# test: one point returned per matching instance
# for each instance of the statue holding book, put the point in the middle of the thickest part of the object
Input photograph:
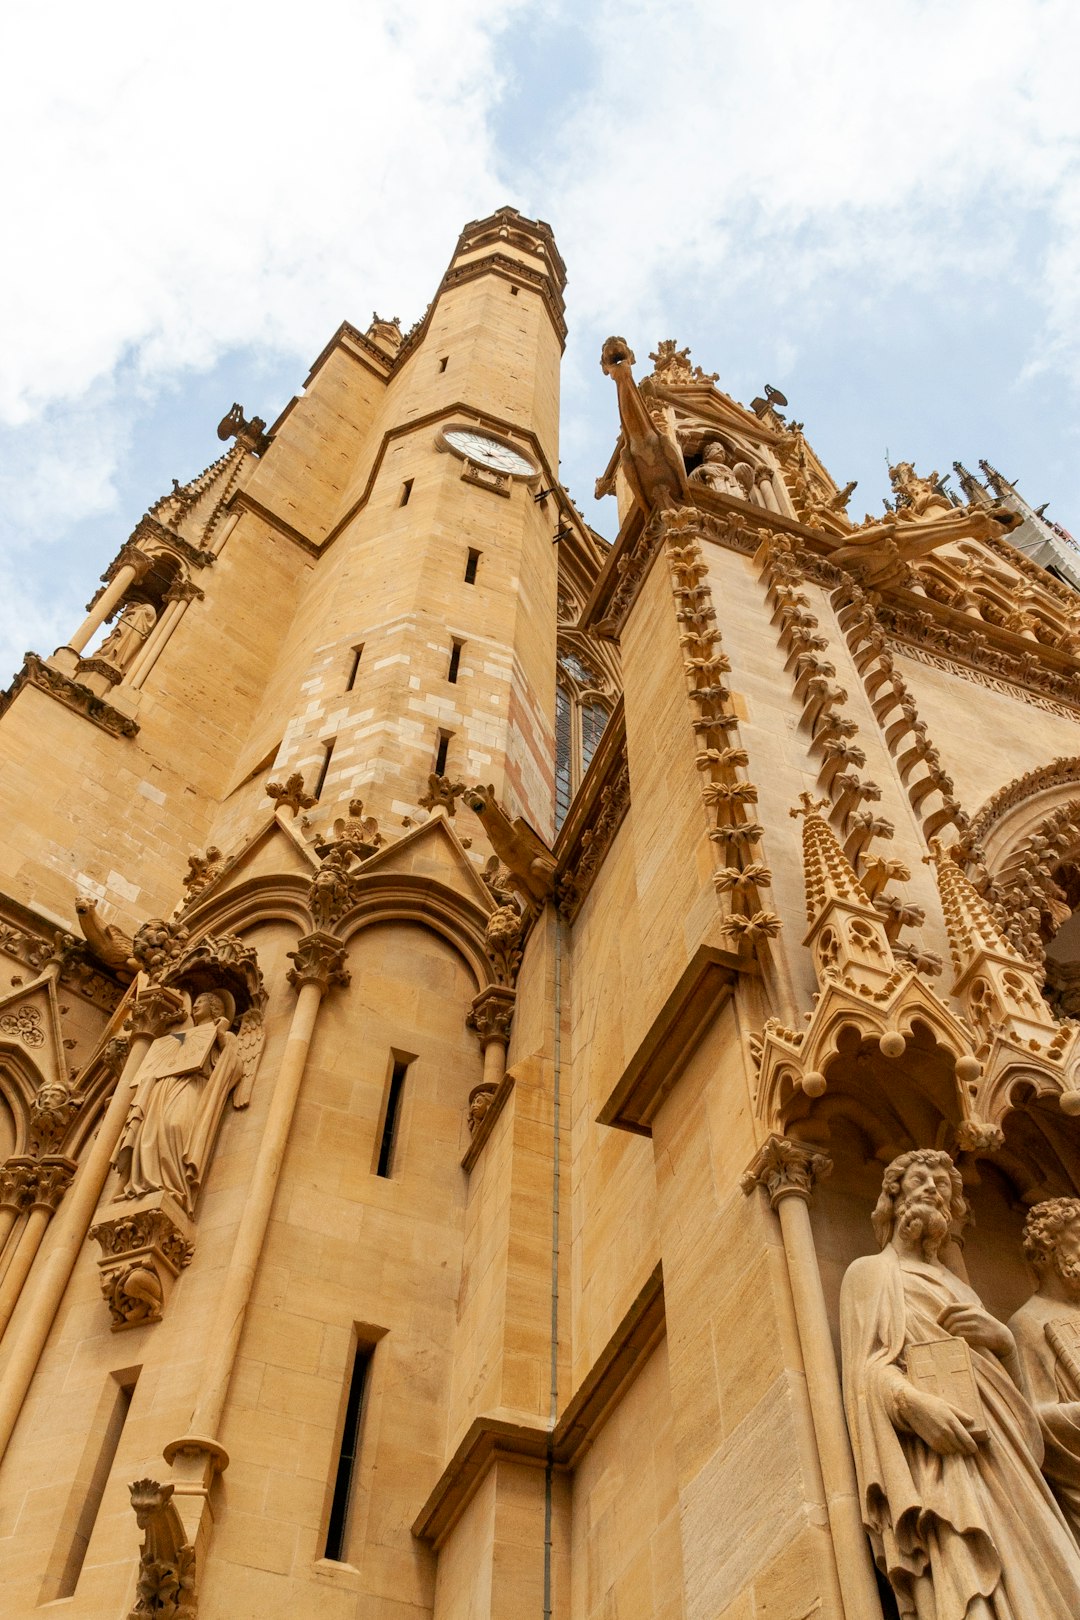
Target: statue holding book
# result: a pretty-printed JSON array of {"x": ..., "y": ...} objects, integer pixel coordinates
[
  {"x": 1047, "y": 1334},
  {"x": 948, "y": 1450}
]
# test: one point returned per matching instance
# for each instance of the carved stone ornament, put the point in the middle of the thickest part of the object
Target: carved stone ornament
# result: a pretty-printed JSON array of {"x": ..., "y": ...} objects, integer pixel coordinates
[
  {"x": 203, "y": 870},
  {"x": 28, "y": 1183},
  {"x": 126, "y": 638},
  {"x": 491, "y": 1014},
  {"x": 672, "y": 368},
  {"x": 24, "y": 1024},
  {"x": 249, "y": 435},
  {"x": 596, "y": 839},
  {"x": 442, "y": 791},
  {"x": 142, "y": 1252},
  {"x": 331, "y": 891},
  {"x": 51, "y": 1112},
  {"x": 72, "y": 694},
  {"x": 786, "y": 1169},
  {"x": 166, "y": 1585},
  {"x": 291, "y": 794},
  {"x": 355, "y": 833},
  {"x": 479, "y": 1102},
  {"x": 155, "y": 1010},
  {"x": 947, "y": 1447},
  {"x": 529, "y": 863},
  {"x": 318, "y": 959},
  {"x": 502, "y": 941}
]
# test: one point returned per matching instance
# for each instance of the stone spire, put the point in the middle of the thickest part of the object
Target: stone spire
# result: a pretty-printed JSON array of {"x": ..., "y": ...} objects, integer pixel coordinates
[
  {"x": 847, "y": 934},
  {"x": 998, "y": 987}
]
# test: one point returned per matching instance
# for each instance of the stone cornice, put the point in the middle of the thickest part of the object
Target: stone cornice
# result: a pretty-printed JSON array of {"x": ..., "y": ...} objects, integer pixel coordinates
[
  {"x": 79, "y": 699},
  {"x": 491, "y": 1439},
  {"x": 677, "y": 1030}
]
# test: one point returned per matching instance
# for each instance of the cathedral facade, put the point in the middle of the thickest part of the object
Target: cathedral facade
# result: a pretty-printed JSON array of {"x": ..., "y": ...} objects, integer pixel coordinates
[{"x": 540, "y": 1077}]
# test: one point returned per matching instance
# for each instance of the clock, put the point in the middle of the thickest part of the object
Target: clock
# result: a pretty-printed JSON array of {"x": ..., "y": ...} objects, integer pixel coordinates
[{"x": 488, "y": 452}]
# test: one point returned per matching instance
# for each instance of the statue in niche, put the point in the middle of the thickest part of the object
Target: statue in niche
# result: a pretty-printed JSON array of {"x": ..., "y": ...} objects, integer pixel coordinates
[
  {"x": 947, "y": 1448},
  {"x": 719, "y": 473},
  {"x": 1047, "y": 1334},
  {"x": 127, "y": 635},
  {"x": 178, "y": 1095}
]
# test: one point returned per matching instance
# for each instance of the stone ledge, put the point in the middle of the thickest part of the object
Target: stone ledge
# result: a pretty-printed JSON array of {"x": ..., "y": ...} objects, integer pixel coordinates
[
  {"x": 704, "y": 986},
  {"x": 79, "y": 699}
]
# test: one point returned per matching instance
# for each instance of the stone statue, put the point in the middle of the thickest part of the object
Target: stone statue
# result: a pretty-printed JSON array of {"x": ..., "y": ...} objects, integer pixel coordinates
[
  {"x": 178, "y": 1094},
  {"x": 726, "y": 477},
  {"x": 947, "y": 1449},
  {"x": 1047, "y": 1334},
  {"x": 127, "y": 635}
]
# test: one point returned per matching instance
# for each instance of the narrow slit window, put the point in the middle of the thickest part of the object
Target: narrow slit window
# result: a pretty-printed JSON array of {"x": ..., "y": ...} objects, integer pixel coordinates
[
  {"x": 347, "y": 1456},
  {"x": 440, "y": 753},
  {"x": 84, "y": 1502},
  {"x": 443, "y": 362},
  {"x": 406, "y": 491},
  {"x": 354, "y": 667},
  {"x": 391, "y": 1116},
  {"x": 455, "y": 661},
  {"x": 324, "y": 768},
  {"x": 470, "y": 567}
]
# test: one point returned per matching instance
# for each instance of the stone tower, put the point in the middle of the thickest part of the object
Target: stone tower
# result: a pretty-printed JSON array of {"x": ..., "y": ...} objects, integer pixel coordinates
[{"x": 461, "y": 984}]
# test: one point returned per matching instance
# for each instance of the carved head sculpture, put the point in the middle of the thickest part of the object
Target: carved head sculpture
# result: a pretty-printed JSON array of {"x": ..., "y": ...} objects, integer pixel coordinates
[
  {"x": 480, "y": 798},
  {"x": 147, "y": 1498},
  {"x": 212, "y": 1005},
  {"x": 922, "y": 1195},
  {"x": 616, "y": 356},
  {"x": 1052, "y": 1240}
]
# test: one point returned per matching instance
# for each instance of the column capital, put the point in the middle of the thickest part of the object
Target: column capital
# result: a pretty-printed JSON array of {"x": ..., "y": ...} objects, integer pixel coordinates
[
  {"x": 155, "y": 1010},
  {"x": 786, "y": 1169},
  {"x": 129, "y": 556},
  {"x": 491, "y": 1014},
  {"x": 318, "y": 959},
  {"x": 27, "y": 1183}
]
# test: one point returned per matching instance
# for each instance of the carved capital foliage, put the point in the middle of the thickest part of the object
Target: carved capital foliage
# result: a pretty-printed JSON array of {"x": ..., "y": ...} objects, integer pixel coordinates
[
  {"x": 503, "y": 940},
  {"x": 977, "y": 1136},
  {"x": 142, "y": 1251},
  {"x": 166, "y": 1584},
  {"x": 129, "y": 556},
  {"x": 318, "y": 959},
  {"x": 27, "y": 1183},
  {"x": 785, "y": 1169},
  {"x": 492, "y": 1014},
  {"x": 155, "y": 1010}
]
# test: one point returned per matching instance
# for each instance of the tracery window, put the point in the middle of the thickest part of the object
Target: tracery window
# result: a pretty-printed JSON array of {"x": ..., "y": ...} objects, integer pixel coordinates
[{"x": 582, "y": 710}]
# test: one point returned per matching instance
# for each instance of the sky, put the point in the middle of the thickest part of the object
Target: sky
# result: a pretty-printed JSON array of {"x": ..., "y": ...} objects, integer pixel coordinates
[{"x": 875, "y": 208}]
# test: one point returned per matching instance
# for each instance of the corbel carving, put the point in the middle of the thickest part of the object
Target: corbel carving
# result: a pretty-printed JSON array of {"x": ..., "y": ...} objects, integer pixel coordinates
[
  {"x": 142, "y": 1252},
  {"x": 74, "y": 696},
  {"x": 51, "y": 1112},
  {"x": 331, "y": 891},
  {"x": 166, "y": 1583}
]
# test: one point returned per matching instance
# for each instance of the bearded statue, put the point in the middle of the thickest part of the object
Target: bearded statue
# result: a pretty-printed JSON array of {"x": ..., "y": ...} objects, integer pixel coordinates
[
  {"x": 1047, "y": 1334},
  {"x": 948, "y": 1450}
]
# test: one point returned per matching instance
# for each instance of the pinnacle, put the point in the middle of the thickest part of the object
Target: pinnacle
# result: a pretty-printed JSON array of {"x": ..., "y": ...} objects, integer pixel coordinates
[
  {"x": 971, "y": 925},
  {"x": 827, "y": 871}
]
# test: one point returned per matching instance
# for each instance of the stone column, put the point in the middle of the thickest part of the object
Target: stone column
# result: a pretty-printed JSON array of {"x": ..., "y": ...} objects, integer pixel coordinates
[
  {"x": 43, "y": 1184},
  {"x": 12, "y": 1205},
  {"x": 177, "y": 597},
  {"x": 491, "y": 1016},
  {"x": 787, "y": 1171},
  {"x": 154, "y": 1011},
  {"x": 318, "y": 963},
  {"x": 133, "y": 565}
]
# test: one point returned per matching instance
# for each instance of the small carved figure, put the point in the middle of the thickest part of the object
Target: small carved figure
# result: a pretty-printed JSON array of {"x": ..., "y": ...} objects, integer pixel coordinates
[
  {"x": 1047, "y": 1334},
  {"x": 156, "y": 944},
  {"x": 916, "y": 495},
  {"x": 127, "y": 635},
  {"x": 178, "y": 1095},
  {"x": 479, "y": 1103},
  {"x": 202, "y": 870},
  {"x": 357, "y": 832},
  {"x": 947, "y": 1447},
  {"x": 166, "y": 1585},
  {"x": 248, "y": 435},
  {"x": 51, "y": 1112},
  {"x": 330, "y": 891},
  {"x": 716, "y": 472}
]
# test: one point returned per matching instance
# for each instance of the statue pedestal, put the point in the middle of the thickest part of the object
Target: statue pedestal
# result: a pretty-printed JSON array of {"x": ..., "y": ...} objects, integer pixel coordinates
[
  {"x": 66, "y": 660},
  {"x": 145, "y": 1245}
]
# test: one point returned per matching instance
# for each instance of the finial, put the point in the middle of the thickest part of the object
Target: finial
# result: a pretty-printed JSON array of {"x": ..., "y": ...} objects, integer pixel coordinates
[{"x": 808, "y": 806}]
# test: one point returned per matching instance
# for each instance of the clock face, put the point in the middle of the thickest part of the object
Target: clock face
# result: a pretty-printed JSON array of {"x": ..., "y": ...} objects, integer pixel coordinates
[{"x": 489, "y": 452}]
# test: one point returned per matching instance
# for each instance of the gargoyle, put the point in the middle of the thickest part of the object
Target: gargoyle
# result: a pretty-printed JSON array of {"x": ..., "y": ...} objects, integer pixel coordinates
[
  {"x": 166, "y": 1584},
  {"x": 529, "y": 863},
  {"x": 654, "y": 467},
  {"x": 108, "y": 943},
  {"x": 879, "y": 553}
]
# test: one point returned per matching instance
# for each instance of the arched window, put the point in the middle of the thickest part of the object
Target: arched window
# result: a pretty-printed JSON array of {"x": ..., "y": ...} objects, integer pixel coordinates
[{"x": 581, "y": 713}]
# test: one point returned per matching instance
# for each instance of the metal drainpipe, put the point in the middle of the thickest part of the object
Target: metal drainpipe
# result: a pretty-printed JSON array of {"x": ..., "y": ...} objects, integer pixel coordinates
[{"x": 555, "y": 1175}]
